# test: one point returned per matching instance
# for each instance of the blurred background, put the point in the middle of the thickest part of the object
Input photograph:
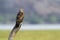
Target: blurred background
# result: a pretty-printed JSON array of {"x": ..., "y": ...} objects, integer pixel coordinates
[
  {"x": 36, "y": 11},
  {"x": 38, "y": 15}
]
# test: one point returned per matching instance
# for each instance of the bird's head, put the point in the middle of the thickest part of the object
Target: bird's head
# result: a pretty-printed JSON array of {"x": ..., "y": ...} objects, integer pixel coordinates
[{"x": 21, "y": 10}]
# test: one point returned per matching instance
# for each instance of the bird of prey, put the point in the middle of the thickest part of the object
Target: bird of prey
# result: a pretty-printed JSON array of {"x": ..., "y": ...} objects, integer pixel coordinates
[{"x": 19, "y": 20}]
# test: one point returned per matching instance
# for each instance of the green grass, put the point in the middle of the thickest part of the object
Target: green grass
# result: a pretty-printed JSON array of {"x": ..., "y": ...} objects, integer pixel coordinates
[{"x": 32, "y": 35}]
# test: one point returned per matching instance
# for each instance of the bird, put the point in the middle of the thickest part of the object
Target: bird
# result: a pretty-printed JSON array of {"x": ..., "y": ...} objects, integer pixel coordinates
[{"x": 19, "y": 20}]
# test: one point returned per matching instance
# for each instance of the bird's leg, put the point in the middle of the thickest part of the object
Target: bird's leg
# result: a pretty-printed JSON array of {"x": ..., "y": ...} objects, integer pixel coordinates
[{"x": 13, "y": 32}]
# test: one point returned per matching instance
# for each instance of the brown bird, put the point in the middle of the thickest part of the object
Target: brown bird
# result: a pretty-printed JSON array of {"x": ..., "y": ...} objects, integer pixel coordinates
[{"x": 19, "y": 20}]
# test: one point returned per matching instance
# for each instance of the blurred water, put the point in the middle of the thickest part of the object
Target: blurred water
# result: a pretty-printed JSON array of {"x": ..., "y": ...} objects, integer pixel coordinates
[{"x": 32, "y": 27}]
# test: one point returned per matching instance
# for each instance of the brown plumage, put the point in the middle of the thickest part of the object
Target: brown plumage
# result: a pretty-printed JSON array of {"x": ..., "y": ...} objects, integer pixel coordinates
[
  {"x": 20, "y": 17},
  {"x": 19, "y": 20}
]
